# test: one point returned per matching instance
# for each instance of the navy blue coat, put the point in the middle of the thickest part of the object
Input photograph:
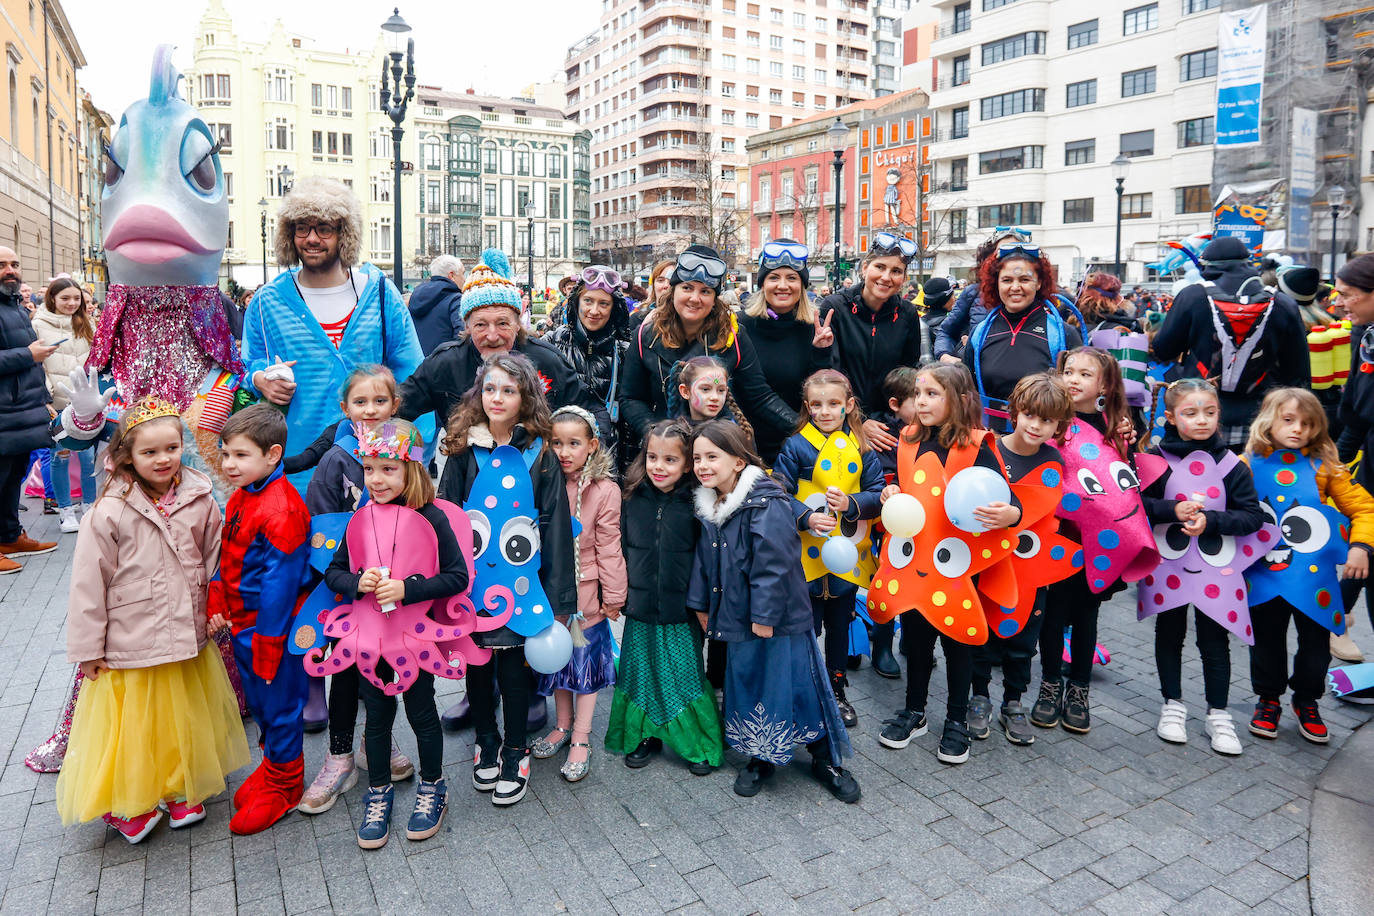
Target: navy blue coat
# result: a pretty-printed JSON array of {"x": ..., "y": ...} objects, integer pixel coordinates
[
  {"x": 434, "y": 310},
  {"x": 967, "y": 314},
  {"x": 23, "y": 389},
  {"x": 748, "y": 564}
]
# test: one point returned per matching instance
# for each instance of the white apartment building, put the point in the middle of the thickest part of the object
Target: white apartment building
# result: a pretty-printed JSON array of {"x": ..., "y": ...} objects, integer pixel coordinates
[
  {"x": 1034, "y": 100},
  {"x": 670, "y": 90}
]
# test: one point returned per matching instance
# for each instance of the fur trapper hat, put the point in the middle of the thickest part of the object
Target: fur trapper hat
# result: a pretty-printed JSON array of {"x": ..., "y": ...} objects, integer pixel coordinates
[{"x": 319, "y": 199}]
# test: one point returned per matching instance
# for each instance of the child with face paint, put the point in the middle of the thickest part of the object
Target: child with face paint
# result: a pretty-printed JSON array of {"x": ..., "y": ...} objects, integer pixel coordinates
[
  {"x": 835, "y": 481},
  {"x": 703, "y": 386}
]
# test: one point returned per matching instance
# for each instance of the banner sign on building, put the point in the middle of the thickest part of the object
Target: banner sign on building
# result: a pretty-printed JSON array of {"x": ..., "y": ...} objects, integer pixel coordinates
[
  {"x": 1242, "y": 220},
  {"x": 1240, "y": 75},
  {"x": 1303, "y": 180}
]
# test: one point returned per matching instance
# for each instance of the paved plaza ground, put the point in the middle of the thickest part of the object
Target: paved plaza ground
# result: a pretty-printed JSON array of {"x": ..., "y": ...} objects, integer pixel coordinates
[{"x": 1115, "y": 821}]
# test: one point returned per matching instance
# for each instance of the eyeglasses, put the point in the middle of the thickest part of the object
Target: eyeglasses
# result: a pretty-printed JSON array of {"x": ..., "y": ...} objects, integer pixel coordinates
[
  {"x": 888, "y": 242},
  {"x": 1030, "y": 251},
  {"x": 783, "y": 254},
  {"x": 323, "y": 230},
  {"x": 1016, "y": 232},
  {"x": 699, "y": 267}
]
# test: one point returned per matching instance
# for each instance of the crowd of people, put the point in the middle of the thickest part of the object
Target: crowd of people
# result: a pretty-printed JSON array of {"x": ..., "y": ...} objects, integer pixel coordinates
[{"x": 760, "y": 495}]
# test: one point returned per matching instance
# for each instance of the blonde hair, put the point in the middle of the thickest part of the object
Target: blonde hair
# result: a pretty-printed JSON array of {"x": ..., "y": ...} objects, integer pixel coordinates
[
  {"x": 1310, "y": 409},
  {"x": 855, "y": 417},
  {"x": 757, "y": 307}
]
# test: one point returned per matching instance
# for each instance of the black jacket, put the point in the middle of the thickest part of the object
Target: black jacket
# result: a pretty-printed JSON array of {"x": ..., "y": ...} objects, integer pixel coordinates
[
  {"x": 1357, "y": 407},
  {"x": 434, "y": 310},
  {"x": 787, "y": 358},
  {"x": 1243, "y": 514},
  {"x": 658, "y": 534},
  {"x": 649, "y": 363},
  {"x": 23, "y": 390},
  {"x": 452, "y": 578},
  {"x": 871, "y": 344},
  {"x": 968, "y": 312},
  {"x": 1280, "y": 360},
  {"x": 593, "y": 356},
  {"x": 1005, "y": 358}
]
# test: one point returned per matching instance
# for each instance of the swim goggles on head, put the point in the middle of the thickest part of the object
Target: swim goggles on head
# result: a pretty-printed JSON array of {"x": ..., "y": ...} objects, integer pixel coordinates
[
  {"x": 701, "y": 268},
  {"x": 601, "y": 277},
  {"x": 1016, "y": 232},
  {"x": 890, "y": 242},
  {"x": 783, "y": 254},
  {"x": 1009, "y": 249}
]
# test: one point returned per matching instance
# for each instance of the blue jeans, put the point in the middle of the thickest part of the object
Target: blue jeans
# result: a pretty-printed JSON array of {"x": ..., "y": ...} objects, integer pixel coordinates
[{"x": 61, "y": 479}]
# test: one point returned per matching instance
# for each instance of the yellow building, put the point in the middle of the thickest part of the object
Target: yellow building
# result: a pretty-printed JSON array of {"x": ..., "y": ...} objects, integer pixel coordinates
[
  {"x": 95, "y": 129},
  {"x": 39, "y": 146}
]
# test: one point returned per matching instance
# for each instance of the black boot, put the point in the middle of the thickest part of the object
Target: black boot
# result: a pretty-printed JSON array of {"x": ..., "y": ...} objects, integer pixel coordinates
[
  {"x": 539, "y": 713},
  {"x": 881, "y": 640},
  {"x": 750, "y": 779},
  {"x": 848, "y": 716},
  {"x": 839, "y": 781},
  {"x": 640, "y": 755},
  {"x": 458, "y": 716}
]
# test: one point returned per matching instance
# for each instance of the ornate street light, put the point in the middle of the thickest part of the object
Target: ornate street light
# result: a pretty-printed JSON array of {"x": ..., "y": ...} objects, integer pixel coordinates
[
  {"x": 1121, "y": 166},
  {"x": 396, "y": 111},
  {"x": 839, "y": 139}
]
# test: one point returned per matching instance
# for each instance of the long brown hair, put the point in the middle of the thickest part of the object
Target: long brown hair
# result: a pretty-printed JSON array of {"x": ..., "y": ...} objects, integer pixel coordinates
[
  {"x": 1114, "y": 411},
  {"x": 717, "y": 333},
  {"x": 730, "y": 439},
  {"x": 669, "y": 431},
  {"x": 855, "y": 417},
  {"x": 534, "y": 409},
  {"x": 698, "y": 364},
  {"x": 119, "y": 456},
  {"x": 965, "y": 410},
  {"x": 81, "y": 319}
]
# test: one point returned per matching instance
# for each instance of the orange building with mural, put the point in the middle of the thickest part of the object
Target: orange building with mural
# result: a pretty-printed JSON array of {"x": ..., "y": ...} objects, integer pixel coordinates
[{"x": 894, "y": 175}]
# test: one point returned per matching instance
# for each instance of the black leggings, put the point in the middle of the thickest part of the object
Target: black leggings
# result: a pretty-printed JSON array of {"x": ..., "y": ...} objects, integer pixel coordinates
[
  {"x": 1069, "y": 603},
  {"x": 424, "y": 721},
  {"x": 513, "y": 674},
  {"x": 343, "y": 709},
  {"x": 832, "y": 616},
  {"x": 920, "y": 639},
  {"x": 1015, "y": 654},
  {"x": 1269, "y": 654},
  {"x": 1213, "y": 644},
  {"x": 1350, "y": 594}
]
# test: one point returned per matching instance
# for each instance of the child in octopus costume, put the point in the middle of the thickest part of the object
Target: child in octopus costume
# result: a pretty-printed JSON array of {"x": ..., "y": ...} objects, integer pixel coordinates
[
  {"x": 1101, "y": 509},
  {"x": 1296, "y": 470},
  {"x": 1210, "y": 528},
  {"x": 163, "y": 331},
  {"x": 406, "y": 564}
]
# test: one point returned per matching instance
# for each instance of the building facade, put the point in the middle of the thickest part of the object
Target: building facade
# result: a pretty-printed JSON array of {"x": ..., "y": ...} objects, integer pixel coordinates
[
  {"x": 39, "y": 140},
  {"x": 671, "y": 90},
  {"x": 95, "y": 128},
  {"x": 1033, "y": 101}
]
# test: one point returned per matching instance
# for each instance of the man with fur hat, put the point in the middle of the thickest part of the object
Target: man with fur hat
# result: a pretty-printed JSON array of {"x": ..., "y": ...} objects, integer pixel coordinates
[
  {"x": 1233, "y": 328},
  {"x": 314, "y": 322}
]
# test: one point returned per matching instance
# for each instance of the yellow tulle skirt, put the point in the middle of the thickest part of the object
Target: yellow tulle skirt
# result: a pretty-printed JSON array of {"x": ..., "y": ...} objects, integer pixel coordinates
[{"x": 141, "y": 735}]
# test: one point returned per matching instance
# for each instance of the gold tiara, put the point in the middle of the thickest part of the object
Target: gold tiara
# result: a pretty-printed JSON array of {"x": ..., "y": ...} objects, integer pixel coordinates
[{"x": 149, "y": 408}]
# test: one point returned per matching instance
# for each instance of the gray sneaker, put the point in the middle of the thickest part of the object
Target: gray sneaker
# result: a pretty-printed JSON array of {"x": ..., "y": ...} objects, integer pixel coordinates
[
  {"x": 1016, "y": 724},
  {"x": 979, "y": 712}
]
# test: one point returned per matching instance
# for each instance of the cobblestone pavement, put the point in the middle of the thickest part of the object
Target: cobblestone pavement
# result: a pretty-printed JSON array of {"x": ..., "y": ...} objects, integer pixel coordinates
[{"x": 1115, "y": 821}]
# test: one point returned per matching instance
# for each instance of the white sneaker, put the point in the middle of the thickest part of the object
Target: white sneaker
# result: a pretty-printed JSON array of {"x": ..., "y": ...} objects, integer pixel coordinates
[
  {"x": 1222, "y": 728},
  {"x": 1172, "y": 718},
  {"x": 1344, "y": 648},
  {"x": 68, "y": 521}
]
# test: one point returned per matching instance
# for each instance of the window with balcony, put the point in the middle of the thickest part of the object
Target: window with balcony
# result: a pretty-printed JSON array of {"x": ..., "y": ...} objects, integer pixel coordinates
[
  {"x": 1137, "y": 82},
  {"x": 1082, "y": 34},
  {"x": 1081, "y": 93},
  {"x": 1080, "y": 152},
  {"x": 1138, "y": 143},
  {"x": 489, "y": 200},
  {"x": 1009, "y": 160},
  {"x": 1013, "y": 46},
  {"x": 1078, "y": 210},
  {"x": 1012, "y": 103},
  {"x": 1197, "y": 65},
  {"x": 957, "y": 221},
  {"x": 959, "y": 123},
  {"x": 490, "y": 157},
  {"x": 1140, "y": 19},
  {"x": 1193, "y": 199},
  {"x": 1137, "y": 206},
  {"x": 961, "y": 67},
  {"x": 1198, "y": 6},
  {"x": 963, "y": 18},
  {"x": 1025, "y": 213},
  {"x": 1196, "y": 132},
  {"x": 958, "y": 175}
]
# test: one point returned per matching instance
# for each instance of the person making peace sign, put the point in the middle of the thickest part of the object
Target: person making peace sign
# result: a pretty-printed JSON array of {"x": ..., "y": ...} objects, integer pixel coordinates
[{"x": 791, "y": 339}]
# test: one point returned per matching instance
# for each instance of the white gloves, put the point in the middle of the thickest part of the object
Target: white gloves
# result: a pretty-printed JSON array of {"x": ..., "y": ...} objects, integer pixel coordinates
[{"x": 88, "y": 401}]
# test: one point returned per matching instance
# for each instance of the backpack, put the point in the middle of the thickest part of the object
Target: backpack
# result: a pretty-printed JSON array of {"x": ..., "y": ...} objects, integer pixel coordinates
[
  {"x": 995, "y": 408},
  {"x": 1238, "y": 321}
]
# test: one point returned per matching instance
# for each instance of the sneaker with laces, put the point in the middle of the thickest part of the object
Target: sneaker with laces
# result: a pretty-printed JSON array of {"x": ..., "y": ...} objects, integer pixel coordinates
[
  {"x": 1310, "y": 723},
  {"x": 486, "y": 762},
  {"x": 1221, "y": 728},
  {"x": 1049, "y": 705},
  {"x": 900, "y": 729},
  {"x": 1016, "y": 724},
  {"x": 180, "y": 814},
  {"x": 514, "y": 778},
  {"x": 25, "y": 546},
  {"x": 375, "y": 829},
  {"x": 1076, "y": 717},
  {"x": 68, "y": 523},
  {"x": 1265, "y": 722},
  {"x": 337, "y": 776},
  {"x": 135, "y": 829},
  {"x": 431, "y": 801},
  {"x": 954, "y": 743},
  {"x": 979, "y": 716},
  {"x": 1173, "y": 718}
]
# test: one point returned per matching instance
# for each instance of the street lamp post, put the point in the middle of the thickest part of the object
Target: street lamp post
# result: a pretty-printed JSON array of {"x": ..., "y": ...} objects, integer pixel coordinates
[
  {"x": 396, "y": 111},
  {"x": 839, "y": 139},
  {"x": 1335, "y": 198},
  {"x": 263, "y": 204},
  {"x": 1121, "y": 166},
  {"x": 529, "y": 247}
]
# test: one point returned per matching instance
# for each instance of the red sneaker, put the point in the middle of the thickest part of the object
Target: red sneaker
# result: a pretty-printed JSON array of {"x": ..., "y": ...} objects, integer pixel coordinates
[
  {"x": 1265, "y": 721},
  {"x": 1310, "y": 722},
  {"x": 180, "y": 814},
  {"x": 135, "y": 829}
]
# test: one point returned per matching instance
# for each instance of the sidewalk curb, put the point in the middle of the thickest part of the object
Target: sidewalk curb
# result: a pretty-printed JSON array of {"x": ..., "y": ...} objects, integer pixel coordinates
[{"x": 1342, "y": 830}]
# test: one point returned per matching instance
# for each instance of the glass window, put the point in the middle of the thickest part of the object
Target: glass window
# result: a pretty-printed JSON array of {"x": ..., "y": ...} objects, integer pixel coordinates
[
  {"x": 1017, "y": 214},
  {"x": 1008, "y": 160},
  {"x": 316, "y": 95},
  {"x": 489, "y": 157},
  {"x": 1080, "y": 152},
  {"x": 1084, "y": 93},
  {"x": 961, "y": 70},
  {"x": 994, "y": 4},
  {"x": 1137, "y": 82},
  {"x": 1196, "y": 132},
  {"x": 489, "y": 200},
  {"x": 1197, "y": 65},
  {"x": 957, "y": 220},
  {"x": 775, "y": 42},
  {"x": 1137, "y": 206},
  {"x": 959, "y": 127},
  {"x": 1012, "y": 103},
  {"x": 958, "y": 175},
  {"x": 1078, "y": 210},
  {"x": 1198, "y": 6},
  {"x": 963, "y": 18},
  {"x": 1013, "y": 46},
  {"x": 1193, "y": 199},
  {"x": 1083, "y": 34},
  {"x": 1140, "y": 19},
  {"x": 346, "y": 99},
  {"x": 1138, "y": 143}
]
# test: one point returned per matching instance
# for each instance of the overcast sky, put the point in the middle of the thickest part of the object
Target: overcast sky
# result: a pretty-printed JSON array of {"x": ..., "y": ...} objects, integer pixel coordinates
[{"x": 495, "y": 48}]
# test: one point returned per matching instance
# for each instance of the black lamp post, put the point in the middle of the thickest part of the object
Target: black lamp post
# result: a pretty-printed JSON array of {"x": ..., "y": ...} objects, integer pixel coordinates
[
  {"x": 1120, "y": 167},
  {"x": 1335, "y": 198},
  {"x": 263, "y": 204},
  {"x": 839, "y": 139},
  {"x": 529, "y": 247},
  {"x": 397, "y": 113}
]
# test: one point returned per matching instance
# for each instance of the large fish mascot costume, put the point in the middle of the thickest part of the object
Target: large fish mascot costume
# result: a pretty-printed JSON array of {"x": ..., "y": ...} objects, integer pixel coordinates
[{"x": 163, "y": 331}]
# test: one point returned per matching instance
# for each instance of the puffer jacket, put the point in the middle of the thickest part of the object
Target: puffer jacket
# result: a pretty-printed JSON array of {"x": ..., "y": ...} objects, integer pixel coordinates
[
  {"x": 141, "y": 596},
  {"x": 71, "y": 354},
  {"x": 746, "y": 568},
  {"x": 23, "y": 388},
  {"x": 871, "y": 344},
  {"x": 658, "y": 534},
  {"x": 600, "y": 562},
  {"x": 598, "y": 359}
]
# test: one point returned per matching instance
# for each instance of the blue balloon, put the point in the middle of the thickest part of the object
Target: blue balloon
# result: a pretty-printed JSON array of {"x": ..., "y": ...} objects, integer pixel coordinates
[
  {"x": 968, "y": 490},
  {"x": 839, "y": 555},
  {"x": 549, "y": 650}
]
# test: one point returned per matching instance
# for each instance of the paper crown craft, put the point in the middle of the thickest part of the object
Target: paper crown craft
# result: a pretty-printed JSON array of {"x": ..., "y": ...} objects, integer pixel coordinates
[{"x": 389, "y": 440}]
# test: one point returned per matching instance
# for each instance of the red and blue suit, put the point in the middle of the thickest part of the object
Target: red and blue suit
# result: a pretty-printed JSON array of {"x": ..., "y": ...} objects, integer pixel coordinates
[{"x": 264, "y": 563}]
